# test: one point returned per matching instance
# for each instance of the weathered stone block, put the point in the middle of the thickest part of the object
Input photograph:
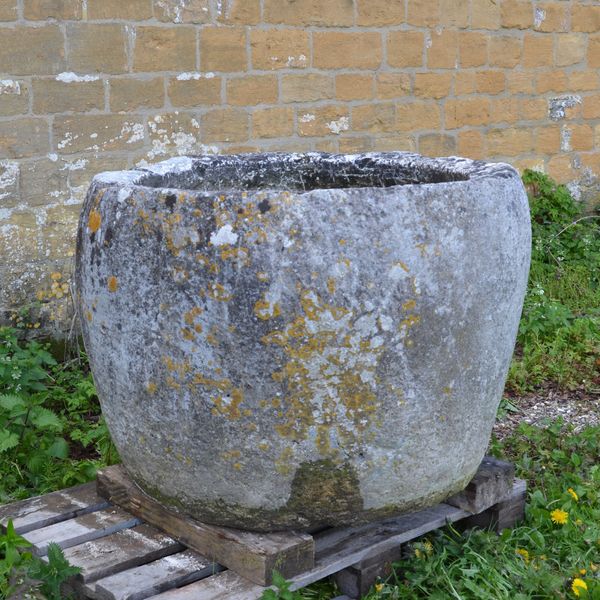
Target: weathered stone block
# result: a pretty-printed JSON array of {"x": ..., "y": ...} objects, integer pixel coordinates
[
  {"x": 240, "y": 12},
  {"x": 252, "y": 89},
  {"x": 14, "y": 97},
  {"x": 164, "y": 49},
  {"x": 128, "y": 94},
  {"x": 279, "y": 48},
  {"x": 432, "y": 85},
  {"x": 225, "y": 125},
  {"x": 436, "y": 144},
  {"x": 345, "y": 50},
  {"x": 53, "y": 96},
  {"x": 393, "y": 85},
  {"x": 405, "y": 48},
  {"x": 24, "y": 137},
  {"x": 9, "y": 183},
  {"x": 273, "y": 122},
  {"x": 376, "y": 118},
  {"x": 43, "y": 182},
  {"x": 323, "y": 120},
  {"x": 194, "y": 89},
  {"x": 173, "y": 133},
  {"x": 223, "y": 49},
  {"x": 94, "y": 133},
  {"x": 176, "y": 11},
  {"x": 468, "y": 111},
  {"x": 473, "y": 48},
  {"x": 376, "y": 13},
  {"x": 32, "y": 50},
  {"x": 306, "y": 87},
  {"x": 334, "y": 13},
  {"x": 427, "y": 115},
  {"x": 132, "y": 10},
  {"x": 40, "y": 10},
  {"x": 8, "y": 10},
  {"x": 284, "y": 373},
  {"x": 354, "y": 86},
  {"x": 96, "y": 48}
]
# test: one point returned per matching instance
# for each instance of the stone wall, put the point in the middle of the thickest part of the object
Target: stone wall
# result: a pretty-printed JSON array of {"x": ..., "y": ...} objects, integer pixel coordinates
[{"x": 91, "y": 85}]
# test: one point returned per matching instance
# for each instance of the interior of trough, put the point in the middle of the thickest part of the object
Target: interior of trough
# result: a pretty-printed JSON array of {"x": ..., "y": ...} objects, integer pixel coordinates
[{"x": 304, "y": 172}]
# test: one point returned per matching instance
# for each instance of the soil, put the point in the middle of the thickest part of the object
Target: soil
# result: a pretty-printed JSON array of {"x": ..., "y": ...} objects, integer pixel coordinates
[{"x": 578, "y": 408}]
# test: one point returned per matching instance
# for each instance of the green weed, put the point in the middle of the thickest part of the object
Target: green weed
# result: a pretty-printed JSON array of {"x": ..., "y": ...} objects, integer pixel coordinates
[
  {"x": 51, "y": 432},
  {"x": 559, "y": 332},
  {"x": 23, "y": 575}
]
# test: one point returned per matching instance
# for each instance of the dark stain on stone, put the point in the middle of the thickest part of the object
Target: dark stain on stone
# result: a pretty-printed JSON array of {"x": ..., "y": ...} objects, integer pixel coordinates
[
  {"x": 92, "y": 237},
  {"x": 325, "y": 491},
  {"x": 170, "y": 200},
  {"x": 264, "y": 206},
  {"x": 108, "y": 236}
]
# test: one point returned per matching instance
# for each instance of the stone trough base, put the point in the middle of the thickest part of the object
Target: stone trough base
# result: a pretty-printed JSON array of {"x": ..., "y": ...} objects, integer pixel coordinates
[{"x": 129, "y": 546}]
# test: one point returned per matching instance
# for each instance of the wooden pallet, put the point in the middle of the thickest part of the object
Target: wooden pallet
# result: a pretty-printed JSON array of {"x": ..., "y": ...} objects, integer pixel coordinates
[{"x": 131, "y": 548}]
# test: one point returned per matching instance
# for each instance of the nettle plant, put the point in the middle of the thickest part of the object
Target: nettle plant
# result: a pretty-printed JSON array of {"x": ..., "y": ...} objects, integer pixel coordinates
[
  {"x": 24, "y": 422},
  {"x": 51, "y": 431},
  {"x": 23, "y": 575}
]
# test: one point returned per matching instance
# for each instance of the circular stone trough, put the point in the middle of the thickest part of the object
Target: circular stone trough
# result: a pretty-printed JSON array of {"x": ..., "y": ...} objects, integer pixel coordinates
[{"x": 290, "y": 340}]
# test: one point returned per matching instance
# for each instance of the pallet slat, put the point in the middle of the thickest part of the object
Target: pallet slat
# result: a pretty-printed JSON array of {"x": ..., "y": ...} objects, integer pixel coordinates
[
  {"x": 42, "y": 511},
  {"x": 339, "y": 548},
  {"x": 224, "y": 586},
  {"x": 79, "y": 530},
  {"x": 252, "y": 555},
  {"x": 155, "y": 577},
  {"x": 492, "y": 482},
  {"x": 120, "y": 551}
]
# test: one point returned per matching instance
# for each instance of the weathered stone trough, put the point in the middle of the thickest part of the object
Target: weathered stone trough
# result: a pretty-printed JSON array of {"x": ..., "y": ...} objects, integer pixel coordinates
[{"x": 290, "y": 340}]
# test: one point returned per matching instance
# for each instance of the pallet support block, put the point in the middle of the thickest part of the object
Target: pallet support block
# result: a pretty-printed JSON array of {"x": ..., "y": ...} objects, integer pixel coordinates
[
  {"x": 493, "y": 481},
  {"x": 254, "y": 556}
]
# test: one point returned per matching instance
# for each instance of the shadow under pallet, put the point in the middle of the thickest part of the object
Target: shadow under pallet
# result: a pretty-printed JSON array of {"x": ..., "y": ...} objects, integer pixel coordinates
[{"x": 130, "y": 547}]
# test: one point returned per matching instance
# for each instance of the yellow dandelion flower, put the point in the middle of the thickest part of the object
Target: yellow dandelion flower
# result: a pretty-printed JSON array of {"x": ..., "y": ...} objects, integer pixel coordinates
[
  {"x": 378, "y": 587},
  {"x": 573, "y": 494},
  {"x": 428, "y": 547},
  {"x": 418, "y": 553},
  {"x": 523, "y": 553},
  {"x": 582, "y": 571},
  {"x": 559, "y": 516},
  {"x": 578, "y": 586}
]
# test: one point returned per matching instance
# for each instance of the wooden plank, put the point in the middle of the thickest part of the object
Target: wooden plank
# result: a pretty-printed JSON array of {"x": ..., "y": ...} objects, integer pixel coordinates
[
  {"x": 79, "y": 530},
  {"x": 120, "y": 551},
  {"x": 339, "y": 548},
  {"x": 224, "y": 586},
  {"x": 41, "y": 511},
  {"x": 253, "y": 555},
  {"x": 492, "y": 482},
  {"x": 150, "y": 579},
  {"x": 504, "y": 514},
  {"x": 357, "y": 579}
]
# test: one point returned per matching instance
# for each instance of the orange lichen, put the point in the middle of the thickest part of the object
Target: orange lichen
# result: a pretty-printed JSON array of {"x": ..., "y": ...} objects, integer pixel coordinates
[
  {"x": 94, "y": 221},
  {"x": 265, "y": 310},
  {"x": 409, "y": 305},
  {"x": 321, "y": 407},
  {"x": 113, "y": 284}
]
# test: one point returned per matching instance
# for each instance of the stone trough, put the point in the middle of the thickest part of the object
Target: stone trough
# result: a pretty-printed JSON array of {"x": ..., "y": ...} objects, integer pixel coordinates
[{"x": 300, "y": 340}]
